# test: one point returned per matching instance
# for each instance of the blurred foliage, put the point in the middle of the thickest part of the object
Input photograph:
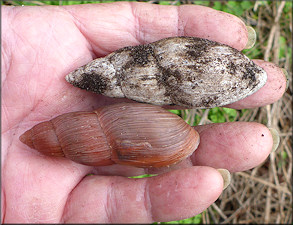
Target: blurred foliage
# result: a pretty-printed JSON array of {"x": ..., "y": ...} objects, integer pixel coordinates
[
  {"x": 236, "y": 8},
  {"x": 193, "y": 220},
  {"x": 221, "y": 115},
  {"x": 144, "y": 175},
  {"x": 175, "y": 111}
]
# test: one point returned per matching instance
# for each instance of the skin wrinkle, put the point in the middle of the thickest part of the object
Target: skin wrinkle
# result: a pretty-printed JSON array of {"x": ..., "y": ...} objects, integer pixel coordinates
[
  {"x": 9, "y": 63},
  {"x": 36, "y": 101},
  {"x": 14, "y": 12},
  {"x": 34, "y": 107},
  {"x": 240, "y": 37},
  {"x": 240, "y": 29},
  {"x": 243, "y": 138},
  {"x": 6, "y": 80},
  {"x": 5, "y": 51},
  {"x": 137, "y": 32},
  {"x": 80, "y": 26},
  {"x": 180, "y": 26},
  {"x": 25, "y": 182},
  {"x": 46, "y": 43},
  {"x": 147, "y": 200},
  {"x": 223, "y": 131},
  {"x": 62, "y": 220},
  {"x": 225, "y": 137},
  {"x": 35, "y": 204},
  {"x": 38, "y": 217},
  {"x": 5, "y": 114},
  {"x": 106, "y": 207},
  {"x": 25, "y": 43},
  {"x": 8, "y": 149},
  {"x": 6, "y": 57},
  {"x": 109, "y": 203},
  {"x": 3, "y": 202},
  {"x": 111, "y": 199}
]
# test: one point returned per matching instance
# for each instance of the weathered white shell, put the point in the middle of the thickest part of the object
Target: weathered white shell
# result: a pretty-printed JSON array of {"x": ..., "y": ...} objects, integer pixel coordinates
[{"x": 186, "y": 71}]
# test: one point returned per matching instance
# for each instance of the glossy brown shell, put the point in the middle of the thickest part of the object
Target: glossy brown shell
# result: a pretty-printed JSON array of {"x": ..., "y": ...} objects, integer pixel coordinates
[{"x": 134, "y": 134}]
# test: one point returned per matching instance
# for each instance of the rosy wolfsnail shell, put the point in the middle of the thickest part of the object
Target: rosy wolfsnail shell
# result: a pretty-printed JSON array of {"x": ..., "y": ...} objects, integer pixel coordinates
[
  {"x": 140, "y": 135},
  {"x": 185, "y": 71}
]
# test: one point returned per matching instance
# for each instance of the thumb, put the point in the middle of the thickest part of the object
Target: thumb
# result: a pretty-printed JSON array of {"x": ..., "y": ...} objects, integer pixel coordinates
[{"x": 171, "y": 196}]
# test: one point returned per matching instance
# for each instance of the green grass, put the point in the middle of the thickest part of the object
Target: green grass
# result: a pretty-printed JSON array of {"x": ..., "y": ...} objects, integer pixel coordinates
[
  {"x": 193, "y": 220},
  {"x": 221, "y": 115},
  {"x": 144, "y": 176}
]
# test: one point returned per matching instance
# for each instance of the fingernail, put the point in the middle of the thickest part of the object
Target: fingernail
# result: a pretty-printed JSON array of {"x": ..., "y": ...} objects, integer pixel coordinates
[
  {"x": 251, "y": 37},
  {"x": 276, "y": 139},
  {"x": 226, "y": 177},
  {"x": 286, "y": 74}
]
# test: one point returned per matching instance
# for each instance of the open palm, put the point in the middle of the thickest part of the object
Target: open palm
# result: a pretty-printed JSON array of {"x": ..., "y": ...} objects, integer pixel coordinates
[{"x": 40, "y": 45}]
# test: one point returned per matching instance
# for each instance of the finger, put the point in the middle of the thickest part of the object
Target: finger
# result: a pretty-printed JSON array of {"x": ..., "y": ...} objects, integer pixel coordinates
[
  {"x": 188, "y": 20},
  {"x": 118, "y": 170},
  {"x": 140, "y": 23},
  {"x": 236, "y": 146},
  {"x": 171, "y": 196},
  {"x": 194, "y": 26},
  {"x": 35, "y": 187},
  {"x": 269, "y": 93}
]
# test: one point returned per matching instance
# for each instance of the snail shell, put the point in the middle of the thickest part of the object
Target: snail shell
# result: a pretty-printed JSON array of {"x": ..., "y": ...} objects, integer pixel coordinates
[
  {"x": 185, "y": 71},
  {"x": 134, "y": 134}
]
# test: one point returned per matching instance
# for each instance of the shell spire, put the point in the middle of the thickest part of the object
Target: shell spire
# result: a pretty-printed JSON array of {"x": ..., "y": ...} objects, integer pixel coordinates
[{"x": 134, "y": 134}]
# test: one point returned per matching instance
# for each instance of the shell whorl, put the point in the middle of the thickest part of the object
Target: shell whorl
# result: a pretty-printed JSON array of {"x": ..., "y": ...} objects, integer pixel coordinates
[{"x": 140, "y": 135}]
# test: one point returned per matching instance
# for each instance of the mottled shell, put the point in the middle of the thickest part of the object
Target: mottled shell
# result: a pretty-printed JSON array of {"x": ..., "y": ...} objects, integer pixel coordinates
[
  {"x": 185, "y": 71},
  {"x": 140, "y": 135}
]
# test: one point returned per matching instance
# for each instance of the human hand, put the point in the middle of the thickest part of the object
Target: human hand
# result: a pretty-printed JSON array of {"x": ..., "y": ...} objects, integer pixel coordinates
[{"x": 40, "y": 45}]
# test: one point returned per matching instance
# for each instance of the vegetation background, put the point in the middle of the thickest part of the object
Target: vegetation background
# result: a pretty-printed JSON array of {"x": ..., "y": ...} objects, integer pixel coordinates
[{"x": 263, "y": 194}]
